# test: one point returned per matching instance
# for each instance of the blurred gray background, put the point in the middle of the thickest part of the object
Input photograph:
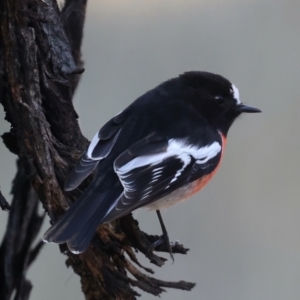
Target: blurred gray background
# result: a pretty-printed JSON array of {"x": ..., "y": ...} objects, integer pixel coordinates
[{"x": 243, "y": 228}]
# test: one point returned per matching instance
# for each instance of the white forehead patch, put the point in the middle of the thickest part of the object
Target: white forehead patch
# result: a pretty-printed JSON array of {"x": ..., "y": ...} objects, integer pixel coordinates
[{"x": 236, "y": 94}]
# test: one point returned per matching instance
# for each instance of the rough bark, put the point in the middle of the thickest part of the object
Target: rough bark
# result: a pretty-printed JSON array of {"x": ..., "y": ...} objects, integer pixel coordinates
[
  {"x": 40, "y": 66},
  {"x": 16, "y": 251}
]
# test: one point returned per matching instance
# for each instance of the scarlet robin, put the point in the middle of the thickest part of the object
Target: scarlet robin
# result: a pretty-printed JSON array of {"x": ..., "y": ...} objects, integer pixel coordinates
[{"x": 159, "y": 151}]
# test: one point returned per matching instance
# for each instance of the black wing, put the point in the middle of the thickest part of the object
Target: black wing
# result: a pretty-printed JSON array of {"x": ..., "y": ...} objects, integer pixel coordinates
[
  {"x": 99, "y": 148},
  {"x": 156, "y": 166}
]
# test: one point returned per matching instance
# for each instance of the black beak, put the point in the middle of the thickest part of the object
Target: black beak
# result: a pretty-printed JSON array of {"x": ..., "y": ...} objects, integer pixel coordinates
[{"x": 247, "y": 109}]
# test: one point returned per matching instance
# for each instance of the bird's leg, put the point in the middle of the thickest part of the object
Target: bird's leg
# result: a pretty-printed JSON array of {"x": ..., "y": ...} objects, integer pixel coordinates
[{"x": 164, "y": 238}]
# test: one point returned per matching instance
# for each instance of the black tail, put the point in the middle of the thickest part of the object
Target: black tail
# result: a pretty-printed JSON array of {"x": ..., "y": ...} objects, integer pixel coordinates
[{"x": 78, "y": 225}]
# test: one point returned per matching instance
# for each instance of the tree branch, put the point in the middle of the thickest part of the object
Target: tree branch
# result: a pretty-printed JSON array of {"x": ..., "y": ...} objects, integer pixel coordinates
[
  {"x": 40, "y": 66},
  {"x": 16, "y": 253}
]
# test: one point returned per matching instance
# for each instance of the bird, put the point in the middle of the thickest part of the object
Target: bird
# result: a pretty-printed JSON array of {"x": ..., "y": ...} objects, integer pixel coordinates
[{"x": 160, "y": 150}]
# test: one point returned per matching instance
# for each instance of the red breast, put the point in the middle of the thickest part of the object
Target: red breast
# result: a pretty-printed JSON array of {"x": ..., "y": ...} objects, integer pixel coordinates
[
  {"x": 186, "y": 191},
  {"x": 197, "y": 185}
]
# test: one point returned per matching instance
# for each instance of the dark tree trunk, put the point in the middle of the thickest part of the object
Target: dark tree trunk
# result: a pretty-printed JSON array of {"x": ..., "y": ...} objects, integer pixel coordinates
[{"x": 40, "y": 66}]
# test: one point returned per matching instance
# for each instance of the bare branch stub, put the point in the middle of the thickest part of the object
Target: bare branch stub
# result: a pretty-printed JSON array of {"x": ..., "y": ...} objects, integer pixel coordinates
[
  {"x": 40, "y": 66},
  {"x": 3, "y": 203}
]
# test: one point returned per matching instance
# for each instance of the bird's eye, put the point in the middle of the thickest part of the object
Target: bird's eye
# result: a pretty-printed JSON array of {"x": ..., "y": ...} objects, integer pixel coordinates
[{"x": 219, "y": 100}]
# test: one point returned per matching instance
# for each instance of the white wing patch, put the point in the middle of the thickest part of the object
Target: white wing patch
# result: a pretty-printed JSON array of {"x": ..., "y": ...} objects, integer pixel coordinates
[
  {"x": 236, "y": 94},
  {"x": 202, "y": 154},
  {"x": 92, "y": 145},
  {"x": 176, "y": 148}
]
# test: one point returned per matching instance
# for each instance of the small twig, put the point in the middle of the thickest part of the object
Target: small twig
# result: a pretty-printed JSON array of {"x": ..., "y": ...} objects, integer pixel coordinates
[
  {"x": 3, "y": 203},
  {"x": 133, "y": 257},
  {"x": 153, "y": 285}
]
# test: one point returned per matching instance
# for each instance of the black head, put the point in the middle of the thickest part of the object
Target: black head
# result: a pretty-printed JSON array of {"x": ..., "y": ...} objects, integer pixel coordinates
[{"x": 215, "y": 98}]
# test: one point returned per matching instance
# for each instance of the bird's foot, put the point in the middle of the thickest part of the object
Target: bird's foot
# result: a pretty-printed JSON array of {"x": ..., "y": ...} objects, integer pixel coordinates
[{"x": 163, "y": 239}]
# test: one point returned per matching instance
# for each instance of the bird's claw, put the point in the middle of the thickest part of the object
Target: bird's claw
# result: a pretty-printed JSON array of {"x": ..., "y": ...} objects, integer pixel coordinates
[{"x": 163, "y": 239}]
